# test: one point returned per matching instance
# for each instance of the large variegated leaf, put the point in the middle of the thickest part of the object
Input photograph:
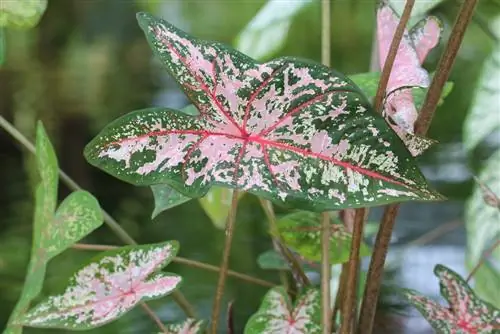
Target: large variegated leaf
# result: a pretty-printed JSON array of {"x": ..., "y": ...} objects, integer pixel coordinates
[
  {"x": 288, "y": 130},
  {"x": 301, "y": 231},
  {"x": 21, "y": 13},
  {"x": 268, "y": 30},
  {"x": 466, "y": 313},
  {"x": 107, "y": 287},
  {"x": 189, "y": 326},
  {"x": 483, "y": 220},
  {"x": 483, "y": 117},
  {"x": 277, "y": 315}
]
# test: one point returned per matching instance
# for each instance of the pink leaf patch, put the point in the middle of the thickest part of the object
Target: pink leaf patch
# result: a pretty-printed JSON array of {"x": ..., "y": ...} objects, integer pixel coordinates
[
  {"x": 288, "y": 130},
  {"x": 276, "y": 314},
  {"x": 407, "y": 71},
  {"x": 467, "y": 314},
  {"x": 108, "y": 287}
]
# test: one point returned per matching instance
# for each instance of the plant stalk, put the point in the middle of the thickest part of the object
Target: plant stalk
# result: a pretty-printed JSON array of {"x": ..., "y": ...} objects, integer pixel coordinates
[
  {"x": 351, "y": 285},
  {"x": 326, "y": 316},
  {"x": 110, "y": 221},
  {"x": 225, "y": 262}
]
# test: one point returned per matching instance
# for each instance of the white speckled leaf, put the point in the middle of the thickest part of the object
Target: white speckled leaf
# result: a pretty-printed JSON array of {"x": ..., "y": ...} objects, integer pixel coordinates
[
  {"x": 21, "y": 13},
  {"x": 189, "y": 326},
  {"x": 277, "y": 315},
  {"x": 466, "y": 313},
  {"x": 291, "y": 131},
  {"x": 107, "y": 287}
]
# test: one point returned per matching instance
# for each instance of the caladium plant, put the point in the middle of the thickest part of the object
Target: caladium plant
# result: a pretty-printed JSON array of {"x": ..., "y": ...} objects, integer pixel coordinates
[
  {"x": 189, "y": 326},
  {"x": 407, "y": 71},
  {"x": 107, "y": 287},
  {"x": 277, "y": 315},
  {"x": 289, "y": 130},
  {"x": 466, "y": 314}
]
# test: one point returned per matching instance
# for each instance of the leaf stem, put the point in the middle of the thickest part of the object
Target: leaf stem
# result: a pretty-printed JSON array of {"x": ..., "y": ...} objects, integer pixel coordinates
[
  {"x": 292, "y": 260},
  {"x": 110, "y": 221},
  {"x": 155, "y": 318},
  {"x": 349, "y": 295},
  {"x": 326, "y": 316},
  {"x": 225, "y": 262},
  {"x": 391, "y": 56},
  {"x": 326, "y": 32}
]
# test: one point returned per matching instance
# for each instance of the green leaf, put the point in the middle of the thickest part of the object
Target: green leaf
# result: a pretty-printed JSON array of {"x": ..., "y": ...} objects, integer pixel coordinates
[
  {"x": 166, "y": 197},
  {"x": 21, "y": 13},
  {"x": 487, "y": 285},
  {"x": 482, "y": 220},
  {"x": 266, "y": 33},
  {"x": 107, "y": 287},
  {"x": 483, "y": 118},
  {"x": 2, "y": 46},
  {"x": 301, "y": 231},
  {"x": 466, "y": 312},
  {"x": 189, "y": 326},
  {"x": 291, "y": 131},
  {"x": 277, "y": 315},
  {"x": 217, "y": 204},
  {"x": 272, "y": 260}
]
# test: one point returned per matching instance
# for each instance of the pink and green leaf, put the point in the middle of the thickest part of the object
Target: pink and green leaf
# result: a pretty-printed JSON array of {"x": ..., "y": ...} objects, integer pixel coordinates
[
  {"x": 466, "y": 314},
  {"x": 166, "y": 197},
  {"x": 301, "y": 231},
  {"x": 189, "y": 326},
  {"x": 291, "y": 131},
  {"x": 277, "y": 315},
  {"x": 107, "y": 287}
]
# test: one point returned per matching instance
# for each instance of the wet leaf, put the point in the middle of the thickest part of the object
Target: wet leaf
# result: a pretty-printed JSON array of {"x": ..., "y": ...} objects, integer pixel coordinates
[
  {"x": 277, "y": 315},
  {"x": 466, "y": 313},
  {"x": 301, "y": 231},
  {"x": 165, "y": 198},
  {"x": 291, "y": 131},
  {"x": 107, "y": 287},
  {"x": 217, "y": 203},
  {"x": 21, "y": 13},
  {"x": 482, "y": 119},
  {"x": 266, "y": 33},
  {"x": 482, "y": 220},
  {"x": 189, "y": 326}
]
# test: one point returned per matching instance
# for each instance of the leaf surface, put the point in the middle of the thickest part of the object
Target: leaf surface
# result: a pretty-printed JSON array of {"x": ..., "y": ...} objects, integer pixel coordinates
[
  {"x": 277, "y": 315},
  {"x": 165, "y": 198},
  {"x": 466, "y": 313},
  {"x": 189, "y": 326},
  {"x": 21, "y": 13},
  {"x": 217, "y": 204},
  {"x": 486, "y": 284},
  {"x": 107, "y": 287},
  {"x": 272, "y": 260}
]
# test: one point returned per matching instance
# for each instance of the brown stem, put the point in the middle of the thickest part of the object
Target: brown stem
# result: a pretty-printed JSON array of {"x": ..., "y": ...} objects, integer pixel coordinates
[
  {"x": 483, "y": 259},
  {"x": 391, "y": 56},
  {"x": 155, "y": 318},
  {"x": 292, "y": 260},
  {"x": 188, "y": 262},
  {"x": 444, "y": 67},
  {"x": 339, "y": 298},
  {"x": 108, "y": 220},
  {"x": 326, "y": 319},
  {"x": 352, "y": 273},
  {"x": 224, "y": 263}
]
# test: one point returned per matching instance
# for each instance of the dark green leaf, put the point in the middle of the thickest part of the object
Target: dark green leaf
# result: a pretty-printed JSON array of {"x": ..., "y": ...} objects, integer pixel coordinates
[{"x": 166, "y": 197}]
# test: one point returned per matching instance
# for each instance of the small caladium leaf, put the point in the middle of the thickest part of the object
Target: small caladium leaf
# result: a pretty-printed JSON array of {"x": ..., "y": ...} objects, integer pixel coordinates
[
  {"x": 301, "y": 231},
  {"x": 107, "y": 287},
  {"x": 21, "y": 13},
  {"x": 407, "y": 70},
  {"x": 217, "y": 203},
  {"x": 272, "y": 260},
  {"x": 189, "y": 326},
  {"x": 466, "y": 314},
  {"x": 165, "y": 198},
  {"x": 277, "y": 315},
  {"x": 290, "y": 131}
]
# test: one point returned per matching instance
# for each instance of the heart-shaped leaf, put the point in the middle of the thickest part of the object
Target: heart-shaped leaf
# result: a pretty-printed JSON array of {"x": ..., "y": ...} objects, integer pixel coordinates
[
  {"x": 165, "y": 198},
  {"x": 21, "y": 13},
  {"x": 107, "y": 287},
  {"x": 301, "y": 231},
  {"x": 189, "y": 326},
  {"x": 290, "y": 131},
  {"x": 277, "y": 315},
  {"x": 466, "y": 314}
]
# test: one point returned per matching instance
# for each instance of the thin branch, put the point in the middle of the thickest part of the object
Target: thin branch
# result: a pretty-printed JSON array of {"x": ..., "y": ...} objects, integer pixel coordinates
[
  {"x": 155, "y": 318},
  {"x": 339, "y": 298},
  {"x": 444, "y": 67},
  {"x": 352, "y": 274},
  {"x": 225, "y": 262},
  {"x": 326, "y": 316},
  {"x": 326, "y": 32},
  {"x": 483, "y": 259},
  {"x": 292, "y": 260},
  {"x": 110, "y": 222},
  {"x": 391, "y": 56}
]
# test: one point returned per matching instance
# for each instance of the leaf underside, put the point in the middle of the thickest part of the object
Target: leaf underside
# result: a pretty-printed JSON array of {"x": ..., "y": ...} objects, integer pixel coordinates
[{"x": 291, "y": 131}]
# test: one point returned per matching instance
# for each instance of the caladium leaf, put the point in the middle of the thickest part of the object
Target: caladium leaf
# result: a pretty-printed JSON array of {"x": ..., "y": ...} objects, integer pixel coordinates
[
  {"x": 189, "y": 326},
  {"x": 277, "y": 315},
  {"x": 420, "y": 8},
  {"x": 466, "y": 314},
  {"x": 482, "y": 220},
  {"x": 273, "y": 260},
  {"x": 165, "y": 198},
  {"x": 301, "y": 231},
  {"x": 21, "y": 13},
  {"x": 268, "y": 30},
  {"x": 107, "y": 287},
  {"x": 288, "y": 130}
]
